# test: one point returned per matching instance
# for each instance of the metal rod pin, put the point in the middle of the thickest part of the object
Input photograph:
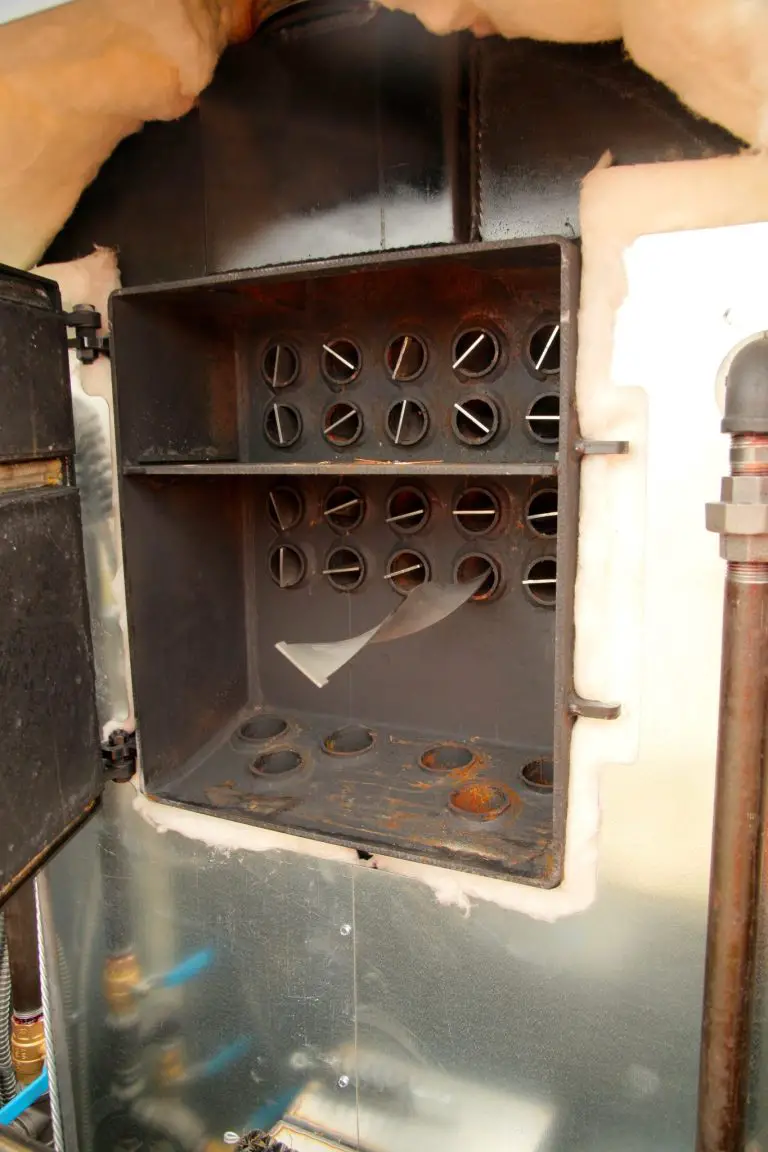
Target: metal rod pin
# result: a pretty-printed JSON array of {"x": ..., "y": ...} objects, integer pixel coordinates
[
  {"x": 471, "y": 348},
  {"x": 469, "y": 416},
  {"x": 341, "y": 507},
  {"x": 401, "y": 354},
  {"x": 402, "y": 571},
  {"x": 276, "y": 409},
  {"x": 332, "y": 352},
  {"x": 347, "y": 416},
  {"x": 276, "y": 507},
  {"x": 547, "y": 346},
  {"x": 403, "y": 408},
  {"x": 404, "y": 516}
]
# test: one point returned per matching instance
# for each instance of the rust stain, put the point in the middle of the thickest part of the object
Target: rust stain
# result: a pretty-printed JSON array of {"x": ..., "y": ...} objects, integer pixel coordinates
[
  {"x": 31, "y": 867},
  {"x": 483, "y": 800},
  {"x": 452, "y": 761},
  {"x": 269, "y": 805},
  {"x": 223, "y": 795}
]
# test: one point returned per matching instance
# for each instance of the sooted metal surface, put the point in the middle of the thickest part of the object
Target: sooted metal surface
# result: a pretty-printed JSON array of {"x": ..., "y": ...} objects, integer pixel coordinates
[
  {"x": 595, "y": 1017},
  {"x": 476, "y": 806},
  {"x": 448, "y": 360}
]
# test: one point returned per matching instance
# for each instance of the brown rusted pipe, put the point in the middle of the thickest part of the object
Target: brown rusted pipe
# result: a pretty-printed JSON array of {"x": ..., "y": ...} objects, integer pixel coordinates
[
  {"x": 735, "y": 861},
  {"x": 21, "y": 933},
  {"x": 741, "y": 518}
]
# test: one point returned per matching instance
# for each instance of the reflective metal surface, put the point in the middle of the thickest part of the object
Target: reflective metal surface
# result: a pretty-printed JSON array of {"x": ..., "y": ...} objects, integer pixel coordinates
[
  {"x": 585, "y": 1032},
  {"x": 216, "y": 1050},
  {"x": 367, "y": 1009}
]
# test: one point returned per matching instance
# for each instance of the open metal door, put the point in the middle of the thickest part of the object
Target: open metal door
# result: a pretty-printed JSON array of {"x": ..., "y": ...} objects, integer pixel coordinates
[{"x": 50, "y": 764}]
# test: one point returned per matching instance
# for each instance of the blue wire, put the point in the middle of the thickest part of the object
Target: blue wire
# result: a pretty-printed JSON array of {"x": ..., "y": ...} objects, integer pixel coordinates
[
  {"x": 225, "y": 1057},
  {"x": 25, "y": 1099},
  {"x": 187, "y": 969},
  {"x": 271, "y": 1112}
]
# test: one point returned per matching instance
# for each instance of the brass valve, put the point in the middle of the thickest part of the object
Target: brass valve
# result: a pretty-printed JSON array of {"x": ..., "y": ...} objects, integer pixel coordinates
[
  {"x": 122, "y": 977},
  {"x": 27, "y": 1047}
]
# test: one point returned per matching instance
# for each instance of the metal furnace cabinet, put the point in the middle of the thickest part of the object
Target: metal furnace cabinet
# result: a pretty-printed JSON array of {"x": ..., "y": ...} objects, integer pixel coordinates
[{"x": 302, "y": 450}]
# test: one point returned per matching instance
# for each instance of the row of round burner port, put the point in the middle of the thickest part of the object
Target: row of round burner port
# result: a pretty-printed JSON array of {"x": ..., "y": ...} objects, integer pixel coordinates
[
  {"x": 346, "y": 570},
  {"x": 476, "y": 421},
  {"x": 475, "y": 352},
  {"x": 477, "y": 798},
  {"x": 476, "y": 511}
]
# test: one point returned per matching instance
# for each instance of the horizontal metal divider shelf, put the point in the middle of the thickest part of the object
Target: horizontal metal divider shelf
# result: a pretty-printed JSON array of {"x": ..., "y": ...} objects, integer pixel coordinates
[
  {"x": 338, "y": 467},
  {"x": 479, "y": 805}
]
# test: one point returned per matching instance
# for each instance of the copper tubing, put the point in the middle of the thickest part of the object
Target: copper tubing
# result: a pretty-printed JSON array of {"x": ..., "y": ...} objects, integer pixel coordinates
[
  {"x": 737, "y": 839},
  {"x": 736, "y": 853}
]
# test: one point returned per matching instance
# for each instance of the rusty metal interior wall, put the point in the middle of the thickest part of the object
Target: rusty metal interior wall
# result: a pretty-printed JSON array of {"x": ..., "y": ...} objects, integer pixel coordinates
[
  {"x": 345, "y": 996},
  {"x": 300, "y": 532}
]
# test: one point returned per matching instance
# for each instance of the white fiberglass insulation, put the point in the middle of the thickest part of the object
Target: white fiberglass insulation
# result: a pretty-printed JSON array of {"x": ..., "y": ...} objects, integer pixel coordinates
[
  {"x": 673, "y": 268},
  {"x": 77, "y": 79}
]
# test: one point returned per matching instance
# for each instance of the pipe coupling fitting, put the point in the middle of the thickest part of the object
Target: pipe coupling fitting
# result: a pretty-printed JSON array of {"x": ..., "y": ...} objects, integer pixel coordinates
[{"x": 741, "y": 519}]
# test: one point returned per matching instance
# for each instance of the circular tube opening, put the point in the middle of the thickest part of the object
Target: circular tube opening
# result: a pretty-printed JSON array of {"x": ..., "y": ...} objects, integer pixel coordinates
[
  {"x": 477, "y": 511},
  {"x": 479, "y": 801},
  {"x": 539, "y": 774},
  {"x": 260, "y": 728},
  {"x": 276, "y": 763},
  {"x": 344, "y": 508},
  {"x": 282, "y": 425},
  {"x": 345, "y": 569},
  {"x": 408, "y": 510},
  {"x": 540, "y": 581},
  {"x": 287, "y": 565},
  {"x": 543, "y": 418},
  {"x": 475, "y": 352},
  {"x": 405, "y": 358},
  {"x": 280, "y": 365},
  {"x": 285, "y": 508},
  {"x": 475, "y": 420},
  {"x": 406, "y": 570},
  {"x": 340, "y": 361},
  {"x": 407, "y": 422},
  {"x": 472, "y": 567},
  {"x": 352, "y": 740},
  {"x": 541, "y": 512},
  {"x": 342, "y": 424},
  {"x": 446, "y": 758},
  {"x": 544, "y": 348}
]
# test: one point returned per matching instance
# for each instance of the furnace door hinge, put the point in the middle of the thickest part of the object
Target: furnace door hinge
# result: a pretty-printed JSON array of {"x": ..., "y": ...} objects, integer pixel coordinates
[
  {"x": 118, "y": 755},
  {"x": 87, "y": 341}
]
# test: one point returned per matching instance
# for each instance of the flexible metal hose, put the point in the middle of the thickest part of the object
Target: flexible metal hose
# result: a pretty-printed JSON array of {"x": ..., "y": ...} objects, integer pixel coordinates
[
  {"x": 7, "y": 1074},
  {"x": 53, "y": 1091}
]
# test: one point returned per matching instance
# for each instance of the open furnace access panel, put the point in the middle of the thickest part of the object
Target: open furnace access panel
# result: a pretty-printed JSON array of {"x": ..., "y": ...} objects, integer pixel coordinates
[{"x": 301, "y": 448}]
